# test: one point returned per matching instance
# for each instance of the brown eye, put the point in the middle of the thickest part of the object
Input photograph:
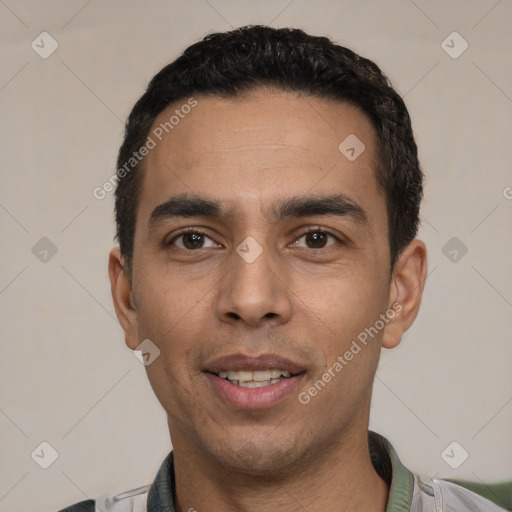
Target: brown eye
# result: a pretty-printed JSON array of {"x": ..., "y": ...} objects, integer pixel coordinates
[
  {"x": 193, "y": 240},
  {"x": 315, "y": 240}
]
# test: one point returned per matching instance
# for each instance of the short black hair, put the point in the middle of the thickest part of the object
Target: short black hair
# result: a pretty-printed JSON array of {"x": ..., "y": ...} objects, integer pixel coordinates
[{"x": 228, "y": 64}]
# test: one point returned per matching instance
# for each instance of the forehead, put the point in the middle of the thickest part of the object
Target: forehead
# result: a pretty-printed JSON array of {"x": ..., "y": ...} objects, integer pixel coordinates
[{"x": 261, "y": 147}]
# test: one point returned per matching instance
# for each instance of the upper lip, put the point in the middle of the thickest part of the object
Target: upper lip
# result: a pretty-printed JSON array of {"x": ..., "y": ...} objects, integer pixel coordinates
[{"x": 237, "y": 362}]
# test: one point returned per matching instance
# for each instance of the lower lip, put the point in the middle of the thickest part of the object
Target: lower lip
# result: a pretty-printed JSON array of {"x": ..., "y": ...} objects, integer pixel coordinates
[{"x": 253, "y": 398}]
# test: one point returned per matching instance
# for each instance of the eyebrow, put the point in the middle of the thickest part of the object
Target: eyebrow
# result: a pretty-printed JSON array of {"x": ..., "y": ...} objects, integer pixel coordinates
[
  {"x": 295, "y": 207},
  {"x": 339, "y": 205}
]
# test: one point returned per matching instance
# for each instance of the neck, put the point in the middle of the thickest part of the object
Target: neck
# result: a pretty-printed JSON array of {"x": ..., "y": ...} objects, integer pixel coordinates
[{"x": 339, "y": 477}]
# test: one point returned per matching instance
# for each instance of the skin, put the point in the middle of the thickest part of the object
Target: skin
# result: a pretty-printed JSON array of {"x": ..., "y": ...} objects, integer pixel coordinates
[{"x": 303, "y": 298}]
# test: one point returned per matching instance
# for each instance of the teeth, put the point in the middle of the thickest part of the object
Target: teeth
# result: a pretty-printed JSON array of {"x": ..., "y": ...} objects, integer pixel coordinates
[
  {"x": 256, "y": 379},
  {"x": 254, "y": 384},
  {"x": 261, "y": 376},
  {"x": 244, "y": 376}
]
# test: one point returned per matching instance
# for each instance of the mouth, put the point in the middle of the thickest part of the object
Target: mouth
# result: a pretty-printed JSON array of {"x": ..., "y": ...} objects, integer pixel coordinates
[{"x": 244, "y": 382}]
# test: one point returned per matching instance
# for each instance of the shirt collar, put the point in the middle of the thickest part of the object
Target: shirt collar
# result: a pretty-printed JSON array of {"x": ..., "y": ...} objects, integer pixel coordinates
[
  {"x": 384, "y": 459},
  {"x": 161, "y": 493},
  {"x": 390, "y": 468}
]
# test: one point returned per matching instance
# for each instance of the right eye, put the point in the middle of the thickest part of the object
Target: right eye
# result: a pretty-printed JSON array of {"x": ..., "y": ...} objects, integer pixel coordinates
[{"x": 193, "y": 240}]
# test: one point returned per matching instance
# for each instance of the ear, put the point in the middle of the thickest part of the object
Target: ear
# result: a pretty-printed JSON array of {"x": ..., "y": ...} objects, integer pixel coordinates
[
  {"x": 406, "y": 289},
  {"x": 122, "y": 295}
]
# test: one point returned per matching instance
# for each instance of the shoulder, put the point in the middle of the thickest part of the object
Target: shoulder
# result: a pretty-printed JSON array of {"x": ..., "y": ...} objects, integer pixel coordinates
[
  {"x": 499, "y": 493},
  {"x": 129, "y": 501},
  {"x": 460, "y": 496},
  {"x": 83, "y": 506}
]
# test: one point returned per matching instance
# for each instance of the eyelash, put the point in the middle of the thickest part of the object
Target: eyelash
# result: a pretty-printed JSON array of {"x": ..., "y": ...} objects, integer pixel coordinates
[
  {"x": 196, "y": 231},
  {"x": 187, "y": 231},
  {"x": 319, "y": 230}
]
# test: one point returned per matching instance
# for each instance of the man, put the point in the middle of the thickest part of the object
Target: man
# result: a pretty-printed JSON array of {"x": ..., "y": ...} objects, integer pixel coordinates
[{"x": 267, "y": 206}]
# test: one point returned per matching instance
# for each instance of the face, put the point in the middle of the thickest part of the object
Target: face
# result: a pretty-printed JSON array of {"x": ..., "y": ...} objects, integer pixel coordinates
[{"x": 261, "y": 254}]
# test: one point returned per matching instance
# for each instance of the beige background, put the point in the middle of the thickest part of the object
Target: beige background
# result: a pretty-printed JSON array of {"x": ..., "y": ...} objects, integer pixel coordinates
[{"x": 67, "y": 377}]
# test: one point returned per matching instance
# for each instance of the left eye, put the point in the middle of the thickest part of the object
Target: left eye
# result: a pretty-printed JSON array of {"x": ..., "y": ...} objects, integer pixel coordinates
[
  {"x": 315, "y": 240},
  {"x": 193, "y": 240}
]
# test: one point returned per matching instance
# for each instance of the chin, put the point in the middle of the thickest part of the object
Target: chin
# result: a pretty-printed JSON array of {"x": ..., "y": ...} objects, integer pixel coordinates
[
  {"x": 260, "y": 458},
  {"x": 250, "y": 461}
]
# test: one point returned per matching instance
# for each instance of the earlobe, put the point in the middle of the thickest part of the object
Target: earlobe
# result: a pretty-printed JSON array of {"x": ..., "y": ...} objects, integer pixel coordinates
[
  {"x": 406, "y": 290},
  {"x": 122, "y": 295}
]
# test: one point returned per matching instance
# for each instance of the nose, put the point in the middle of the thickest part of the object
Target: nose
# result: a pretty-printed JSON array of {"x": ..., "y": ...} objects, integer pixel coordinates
[{"x": 254, "y": 292}]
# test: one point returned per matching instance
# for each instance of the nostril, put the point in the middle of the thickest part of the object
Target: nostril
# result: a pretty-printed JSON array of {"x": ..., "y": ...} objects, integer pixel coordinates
[{"x": 236, "y": 316}]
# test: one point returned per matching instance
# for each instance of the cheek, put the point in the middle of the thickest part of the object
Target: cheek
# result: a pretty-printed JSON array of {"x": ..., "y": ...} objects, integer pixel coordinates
[
  {"x": 350, "y": 350},
  {"x": 172, "y": 315},
  {"x": 168, "y": 304},
  {"x": 345, "y": 303}
]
